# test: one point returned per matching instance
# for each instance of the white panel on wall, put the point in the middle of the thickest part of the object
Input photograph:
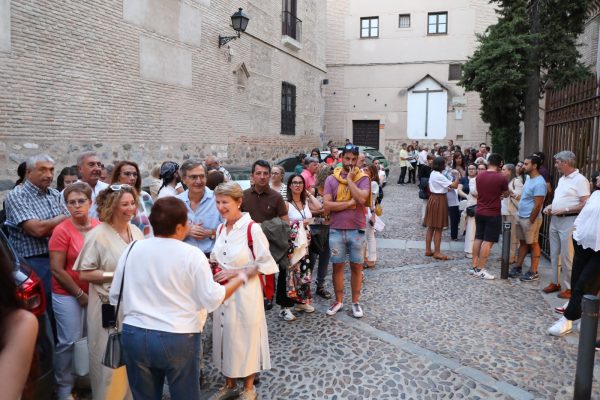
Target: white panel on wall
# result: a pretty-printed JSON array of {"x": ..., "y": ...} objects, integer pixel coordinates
[
  {"x": 4, "y": 25},
  {"x": 165, "y": 63},
  {"x": 427, "y": 110}
]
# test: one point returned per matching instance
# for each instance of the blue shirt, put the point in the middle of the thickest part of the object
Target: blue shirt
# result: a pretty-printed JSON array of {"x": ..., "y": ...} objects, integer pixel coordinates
[
  {"x": 206, "y": 214},
  {"x": 533, "y": 188}
]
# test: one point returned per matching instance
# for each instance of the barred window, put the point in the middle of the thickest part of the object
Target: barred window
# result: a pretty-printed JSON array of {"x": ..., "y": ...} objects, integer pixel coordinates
[
  {"x": 455, "y": 72},
  {"x": 288, "y": 109},
  {"x": 404, "y": 21}
]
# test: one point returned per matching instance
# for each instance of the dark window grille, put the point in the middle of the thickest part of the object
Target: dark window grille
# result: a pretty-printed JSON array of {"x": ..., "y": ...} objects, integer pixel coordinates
[
  {"x": 437, "y": 23},
  {"x": 369, "y": 27},
  {"x": 404, "y": 21},
  {"x": 288, "y": 109},
  {"x": 455, "y": 72}
]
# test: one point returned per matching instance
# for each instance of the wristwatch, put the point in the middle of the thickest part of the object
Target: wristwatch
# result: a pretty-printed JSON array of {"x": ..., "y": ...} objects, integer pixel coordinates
[{"x": 213, "y": 235}]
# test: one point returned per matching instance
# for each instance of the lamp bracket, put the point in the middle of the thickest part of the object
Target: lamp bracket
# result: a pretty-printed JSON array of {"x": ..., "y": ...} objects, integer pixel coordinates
[{"x": 223, "y": 40}]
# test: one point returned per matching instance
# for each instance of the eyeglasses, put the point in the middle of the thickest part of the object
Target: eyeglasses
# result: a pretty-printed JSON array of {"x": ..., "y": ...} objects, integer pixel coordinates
[
  {"x": 297, "y": 183},
  {"x": 196, "y": 177},
  {"x": 275, "y": 173},
  {"x": 118, "y": 188},
  {"x": 127, "y": 173},
  {"x": 76, "y": 202}
]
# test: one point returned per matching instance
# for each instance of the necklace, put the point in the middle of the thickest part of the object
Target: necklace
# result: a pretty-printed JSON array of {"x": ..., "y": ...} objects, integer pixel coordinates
[
  {"x": 300, "y": 211},
  {"x": 127, "y": 238}
]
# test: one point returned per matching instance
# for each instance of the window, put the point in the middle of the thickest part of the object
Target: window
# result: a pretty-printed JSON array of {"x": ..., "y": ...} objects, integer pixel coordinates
[
  {"x": 288, "y": 109},
  {"x": 291, "y": 25},
  {"x": 437, "y": 23},
  {"x": 455, "y": 72},
  {"x": 369, "y": 27},
  {"x": 404, "y": 21}
]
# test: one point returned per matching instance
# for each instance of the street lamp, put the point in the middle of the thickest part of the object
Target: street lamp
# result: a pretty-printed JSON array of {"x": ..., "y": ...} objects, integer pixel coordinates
[{"x": 239, "y": 22}]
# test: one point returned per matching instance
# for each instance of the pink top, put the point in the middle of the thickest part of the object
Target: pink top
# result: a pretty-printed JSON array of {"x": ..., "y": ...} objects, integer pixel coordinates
[
  {"x": 349, "y": 218},
  {"x": 67, "y": 239},
  {"x": 309, "y": 179}
]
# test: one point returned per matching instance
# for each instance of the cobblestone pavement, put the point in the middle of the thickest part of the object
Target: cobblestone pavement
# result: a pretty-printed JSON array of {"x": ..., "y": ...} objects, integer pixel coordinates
[{"x": 429, "y": 332}]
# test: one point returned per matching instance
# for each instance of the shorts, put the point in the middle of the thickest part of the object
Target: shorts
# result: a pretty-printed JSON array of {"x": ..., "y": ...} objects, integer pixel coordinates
[
  {"x": 528, "y": 232},
  {"x": 347, "y": 243},
  {"x": 488, "y": 228}
]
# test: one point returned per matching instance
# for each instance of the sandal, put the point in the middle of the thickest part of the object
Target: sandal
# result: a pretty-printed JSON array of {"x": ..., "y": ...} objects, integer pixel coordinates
[
  {"x": 442, "y": 257},
  {"x": 321, "y": 291}
]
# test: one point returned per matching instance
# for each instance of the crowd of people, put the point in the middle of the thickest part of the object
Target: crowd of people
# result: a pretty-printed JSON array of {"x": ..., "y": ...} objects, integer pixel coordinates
[
  {"x": 490, "y": 192},
  {"x": 154, "y": 263}
]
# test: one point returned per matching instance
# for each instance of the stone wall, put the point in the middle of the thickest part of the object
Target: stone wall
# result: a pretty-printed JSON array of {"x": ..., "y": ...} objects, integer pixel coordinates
[{"x": 145, "y": 80}]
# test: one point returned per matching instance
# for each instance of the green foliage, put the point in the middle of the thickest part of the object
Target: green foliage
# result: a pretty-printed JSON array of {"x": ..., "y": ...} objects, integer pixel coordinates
[{"x": 499, "y": 67}]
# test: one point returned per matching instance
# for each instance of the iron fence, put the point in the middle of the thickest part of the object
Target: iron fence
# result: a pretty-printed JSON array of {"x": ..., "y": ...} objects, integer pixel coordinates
[{"x": 572, "y": 122}]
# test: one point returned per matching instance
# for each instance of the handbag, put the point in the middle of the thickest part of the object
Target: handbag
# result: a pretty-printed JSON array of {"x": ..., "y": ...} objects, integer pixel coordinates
[
  {"x": 81, "y": 353},
  {"x": 113, "y": 356},
  {"x": 471, "y": 210},
  {"x": 378, "y": 209},
  {"x": 319, "y": 238}
]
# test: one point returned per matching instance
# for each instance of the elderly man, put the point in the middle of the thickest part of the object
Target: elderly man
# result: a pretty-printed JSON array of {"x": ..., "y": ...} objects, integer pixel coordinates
[
  {"x": 90, "y": 169},
  {"x": 202, "y": 209},
  {"x": 33, "y": 209},
  {"x": 571, "y": 193},
  {"x": 213, "y": 162},
  {"x": 311, "y": 165}
]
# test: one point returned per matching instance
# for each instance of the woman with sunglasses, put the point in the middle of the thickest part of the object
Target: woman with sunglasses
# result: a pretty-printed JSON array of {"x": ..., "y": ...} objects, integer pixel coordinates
[
  {"x": 69, "y": 293},
  {"x": 300, "y": 205},
  {"x": 97, "y": 261},
  {"x": 128, "y": 173}
]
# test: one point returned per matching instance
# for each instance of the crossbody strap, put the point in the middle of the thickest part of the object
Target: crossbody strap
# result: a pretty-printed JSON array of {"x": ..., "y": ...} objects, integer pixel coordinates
[{"x": 122, "y": 283}]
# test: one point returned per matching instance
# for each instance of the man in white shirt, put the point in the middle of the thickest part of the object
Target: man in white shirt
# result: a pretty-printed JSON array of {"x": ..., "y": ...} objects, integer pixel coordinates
[
  {"x": 90, "y": 168},
  {"x": 570, "y": 196},
  {"x": 422, "y": 159}
]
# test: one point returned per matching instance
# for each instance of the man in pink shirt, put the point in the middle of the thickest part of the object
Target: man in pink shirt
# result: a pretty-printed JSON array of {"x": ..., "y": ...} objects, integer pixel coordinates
[{"x": 311, "y": 165}]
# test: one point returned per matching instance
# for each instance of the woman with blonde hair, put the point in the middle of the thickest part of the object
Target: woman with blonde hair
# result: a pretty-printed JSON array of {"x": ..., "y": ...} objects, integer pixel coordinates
[
  {"x": 97, "y": 261},
  {"x": 128, "y": 172},
  {"x": 240, "y": 338}
]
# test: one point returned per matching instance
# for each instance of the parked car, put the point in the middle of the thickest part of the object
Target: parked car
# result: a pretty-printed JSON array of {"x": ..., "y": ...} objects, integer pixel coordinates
[
  {"x": 31, "y": 292},
  {"x": 240, "y": 174}
]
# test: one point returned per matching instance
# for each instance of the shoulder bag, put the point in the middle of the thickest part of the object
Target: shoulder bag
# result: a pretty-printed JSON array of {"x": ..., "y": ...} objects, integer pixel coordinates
[{"x": 113, "y": 356}]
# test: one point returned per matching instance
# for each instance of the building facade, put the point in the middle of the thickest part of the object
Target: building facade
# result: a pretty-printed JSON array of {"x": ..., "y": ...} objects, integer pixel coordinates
[
  {"x": 146, "y": 80},
  {"x": 393, "y": 70}
]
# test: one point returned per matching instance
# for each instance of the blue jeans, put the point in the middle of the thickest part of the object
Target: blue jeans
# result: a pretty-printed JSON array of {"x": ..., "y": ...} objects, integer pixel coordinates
[
  {"x": 69, "y": 315},
  {"x": 151, "y": 356}
]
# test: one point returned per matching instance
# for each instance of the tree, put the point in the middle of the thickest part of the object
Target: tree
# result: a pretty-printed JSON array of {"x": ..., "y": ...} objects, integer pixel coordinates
[
  {"x": 498, "y": 71},
  {"x": 533, "y": 41}
]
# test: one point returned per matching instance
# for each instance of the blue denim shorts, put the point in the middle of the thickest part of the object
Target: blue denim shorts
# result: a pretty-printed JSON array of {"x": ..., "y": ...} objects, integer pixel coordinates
[{"x": 347, "y": 243}]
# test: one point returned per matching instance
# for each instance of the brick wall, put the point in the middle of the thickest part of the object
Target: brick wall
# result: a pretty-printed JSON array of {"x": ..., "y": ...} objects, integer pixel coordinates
[{"x": 97, "y": 75}]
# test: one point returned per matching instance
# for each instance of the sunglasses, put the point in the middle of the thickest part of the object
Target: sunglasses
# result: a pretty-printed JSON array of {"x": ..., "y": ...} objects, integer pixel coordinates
[
  {"x": 118, "y": 188},
  {"x": 350, "y": 147}
]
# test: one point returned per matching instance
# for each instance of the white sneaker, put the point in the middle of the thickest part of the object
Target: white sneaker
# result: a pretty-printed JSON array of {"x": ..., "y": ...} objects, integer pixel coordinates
[
  {"x": 483, "y": 274},
  {"x": 357, "y": 310},
  {"x": 334, "y": 308},
  {"x": 307, "y": 308},
  {"x": 287, "y": 315},
  {"x": 561, "y": 327}
]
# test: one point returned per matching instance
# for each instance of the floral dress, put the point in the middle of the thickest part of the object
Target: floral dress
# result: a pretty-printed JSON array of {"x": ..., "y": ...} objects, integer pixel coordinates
[{"x": 299, "y": 274}]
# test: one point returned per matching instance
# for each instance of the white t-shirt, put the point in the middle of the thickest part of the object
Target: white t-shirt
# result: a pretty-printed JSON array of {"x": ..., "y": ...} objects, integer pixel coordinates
[
  {"x": 168, "y": 286},
  {"x": 438, "y": 183},
  {"x": 569, "y": 189},
  {"x": 295, "y": 215},
  {"x": 423, "y": 157},
  {"x": 167, "y": 191},
  {"x": 587, "y": 224}
]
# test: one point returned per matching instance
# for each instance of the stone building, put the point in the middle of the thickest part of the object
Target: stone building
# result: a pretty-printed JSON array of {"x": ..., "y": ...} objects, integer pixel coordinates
[
  {"x": 588, "y": 40},
  {"x": 393, "y": 69},
  {"x": 146, "y": 80}
]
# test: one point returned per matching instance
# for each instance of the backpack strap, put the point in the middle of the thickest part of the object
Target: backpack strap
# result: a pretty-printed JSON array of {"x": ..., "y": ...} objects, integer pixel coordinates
[{"x": 249, "y": 236}]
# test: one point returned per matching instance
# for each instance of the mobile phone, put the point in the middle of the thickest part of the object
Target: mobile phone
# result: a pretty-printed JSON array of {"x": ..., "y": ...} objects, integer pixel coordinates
[{"x": 108, "y": 315}]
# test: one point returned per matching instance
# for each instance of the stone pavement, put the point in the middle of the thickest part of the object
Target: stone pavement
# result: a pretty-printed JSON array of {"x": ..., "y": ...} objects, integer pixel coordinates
[{"x": 430, "y": 331}]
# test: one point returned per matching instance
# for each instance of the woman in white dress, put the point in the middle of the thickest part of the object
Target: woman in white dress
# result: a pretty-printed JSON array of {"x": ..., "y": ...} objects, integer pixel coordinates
[{"x": 240, "y": 339}]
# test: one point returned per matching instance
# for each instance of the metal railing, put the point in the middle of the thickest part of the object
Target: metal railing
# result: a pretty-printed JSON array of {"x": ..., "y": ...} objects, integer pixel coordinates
[{"x": 291, "y": 26}]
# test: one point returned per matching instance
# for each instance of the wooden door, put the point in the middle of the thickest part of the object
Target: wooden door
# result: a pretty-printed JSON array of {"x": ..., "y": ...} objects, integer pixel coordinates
[{"x": 366, "y": 133}]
